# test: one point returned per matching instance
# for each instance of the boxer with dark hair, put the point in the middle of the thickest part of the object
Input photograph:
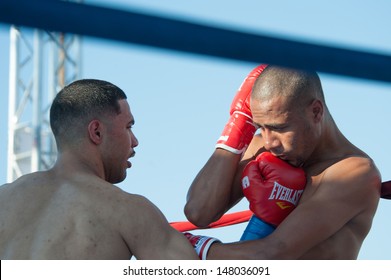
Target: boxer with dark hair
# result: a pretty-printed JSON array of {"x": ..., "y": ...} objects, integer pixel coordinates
[{"x": 73, "y": 210}]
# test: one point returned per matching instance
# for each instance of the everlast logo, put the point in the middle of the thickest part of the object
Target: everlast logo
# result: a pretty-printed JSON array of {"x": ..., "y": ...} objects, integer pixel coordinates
[{"x": 280, "y": 192}]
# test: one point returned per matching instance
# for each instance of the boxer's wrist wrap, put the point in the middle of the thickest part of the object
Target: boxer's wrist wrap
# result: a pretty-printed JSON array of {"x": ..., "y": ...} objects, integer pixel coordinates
[
  {"x": 237, "y": 133},
  {"x": 201, "y": 244},
  {"x": 256, "y": 229}
]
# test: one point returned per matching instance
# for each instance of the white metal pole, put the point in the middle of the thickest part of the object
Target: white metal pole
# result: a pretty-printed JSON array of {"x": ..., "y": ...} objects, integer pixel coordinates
[
  {"x": 37, "y": 102},
  {"x": 13, "y": 80}
]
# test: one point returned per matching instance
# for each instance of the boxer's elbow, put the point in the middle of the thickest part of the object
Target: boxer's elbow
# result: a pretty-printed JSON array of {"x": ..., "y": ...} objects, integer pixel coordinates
[{"x": 197, "y": 215}]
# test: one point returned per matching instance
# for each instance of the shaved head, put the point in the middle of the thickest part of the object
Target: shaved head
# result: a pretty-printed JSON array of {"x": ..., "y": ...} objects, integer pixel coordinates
[{"x": 299, "y": 87}]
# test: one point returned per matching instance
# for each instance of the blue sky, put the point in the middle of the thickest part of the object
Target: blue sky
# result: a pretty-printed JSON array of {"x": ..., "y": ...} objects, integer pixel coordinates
[{"x": 181, "y": 101}]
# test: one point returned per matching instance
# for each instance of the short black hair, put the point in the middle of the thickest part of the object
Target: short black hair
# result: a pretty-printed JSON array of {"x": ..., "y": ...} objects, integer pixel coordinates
[{"x": 80, "y": 102}]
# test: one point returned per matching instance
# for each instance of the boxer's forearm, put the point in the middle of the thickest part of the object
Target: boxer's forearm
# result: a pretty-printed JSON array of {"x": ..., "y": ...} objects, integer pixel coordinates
[{"x": 209, "y": 195}]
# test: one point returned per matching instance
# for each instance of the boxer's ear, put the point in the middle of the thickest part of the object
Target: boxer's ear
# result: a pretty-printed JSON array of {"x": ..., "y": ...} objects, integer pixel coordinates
[
  {"x": 95, "y": 131},
  {"x": 317, "y": 110}
]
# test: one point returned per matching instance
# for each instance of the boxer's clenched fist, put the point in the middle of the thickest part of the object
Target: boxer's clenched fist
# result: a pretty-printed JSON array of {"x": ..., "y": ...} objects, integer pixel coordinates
[
  {"x": 273, "y": 187},
  {"x": 239, "y": 130}
]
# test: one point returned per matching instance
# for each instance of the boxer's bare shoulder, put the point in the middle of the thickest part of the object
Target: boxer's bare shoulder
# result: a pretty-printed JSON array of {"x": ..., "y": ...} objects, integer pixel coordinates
[
  {"x": 50, "y": 218},
  {"x": 82, "y": 217}
]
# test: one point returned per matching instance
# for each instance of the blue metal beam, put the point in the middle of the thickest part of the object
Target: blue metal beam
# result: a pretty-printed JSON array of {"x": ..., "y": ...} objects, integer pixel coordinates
[{"x": 157, "y": 31}]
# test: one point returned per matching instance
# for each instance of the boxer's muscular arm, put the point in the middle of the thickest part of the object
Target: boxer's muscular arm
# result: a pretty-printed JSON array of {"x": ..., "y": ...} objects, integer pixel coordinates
[
  {"x": 214, "y": 189},
  {"x": 344, "y": 203},
  {"x": 148, "y": 234},
  {"x": 217, "y": 187}
]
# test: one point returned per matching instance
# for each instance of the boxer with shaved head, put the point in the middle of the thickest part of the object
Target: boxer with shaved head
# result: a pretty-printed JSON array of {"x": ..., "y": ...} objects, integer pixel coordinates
[{"x": 335, "y": 208}]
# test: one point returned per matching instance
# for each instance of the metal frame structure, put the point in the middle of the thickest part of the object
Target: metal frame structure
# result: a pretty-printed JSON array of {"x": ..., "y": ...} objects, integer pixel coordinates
[{"x": 36, "y": 57}]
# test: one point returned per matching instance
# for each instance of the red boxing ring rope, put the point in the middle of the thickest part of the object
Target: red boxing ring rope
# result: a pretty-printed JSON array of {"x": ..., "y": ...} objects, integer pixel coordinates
[
  {"x": 244, "y": 216},
  {"x": 226, "y": 220}
]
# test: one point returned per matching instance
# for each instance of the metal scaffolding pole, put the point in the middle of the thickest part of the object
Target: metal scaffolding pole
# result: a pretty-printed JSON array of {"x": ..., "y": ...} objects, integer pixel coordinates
[{"x": 41, "y": 63}]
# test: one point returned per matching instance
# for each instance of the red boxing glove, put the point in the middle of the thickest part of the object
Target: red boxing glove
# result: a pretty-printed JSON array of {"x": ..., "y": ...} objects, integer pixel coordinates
[
  {"x": 273, "y": 187},
  {"x": 239, "y": 130},
  {"x": 201, "y": 244}
]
